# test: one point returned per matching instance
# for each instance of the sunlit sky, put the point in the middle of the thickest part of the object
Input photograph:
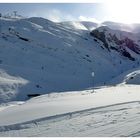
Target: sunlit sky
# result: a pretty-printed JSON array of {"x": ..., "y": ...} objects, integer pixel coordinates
[{"x": 117, "y": 11}]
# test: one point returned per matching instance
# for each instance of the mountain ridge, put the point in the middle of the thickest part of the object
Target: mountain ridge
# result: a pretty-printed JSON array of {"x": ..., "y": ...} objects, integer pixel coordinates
[{"x": 53, "y": 57}]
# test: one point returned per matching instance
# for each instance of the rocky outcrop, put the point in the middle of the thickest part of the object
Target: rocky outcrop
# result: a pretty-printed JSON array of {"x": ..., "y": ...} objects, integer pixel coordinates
[
  {"x": 112, "y": 42},
  {"x": 101, "y": 36}
]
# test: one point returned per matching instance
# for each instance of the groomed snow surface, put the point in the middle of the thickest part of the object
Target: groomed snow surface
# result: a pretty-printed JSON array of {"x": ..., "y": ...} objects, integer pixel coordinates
[{"x": 108, "y": 111}]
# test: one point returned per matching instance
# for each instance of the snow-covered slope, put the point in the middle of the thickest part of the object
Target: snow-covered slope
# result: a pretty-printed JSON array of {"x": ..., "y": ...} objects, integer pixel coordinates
[
  {"x": 38, "y": 56},
  {"x": 110, "y": 111},
  {"x": 128, "y": 77},
  {"x": 61, "y": 103},
  {"x": 47, "y": 57},
  {"x": 125, "y": 43}
]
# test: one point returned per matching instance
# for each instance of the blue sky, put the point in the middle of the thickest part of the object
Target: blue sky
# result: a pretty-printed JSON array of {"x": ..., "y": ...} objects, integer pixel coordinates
[
  {"x": 57, "y": 11},
  {"x": 125, "y": 11}
]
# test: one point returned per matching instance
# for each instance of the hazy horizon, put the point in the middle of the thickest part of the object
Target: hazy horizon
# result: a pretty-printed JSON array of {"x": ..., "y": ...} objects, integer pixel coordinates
[{"x": 95, "y": 12}]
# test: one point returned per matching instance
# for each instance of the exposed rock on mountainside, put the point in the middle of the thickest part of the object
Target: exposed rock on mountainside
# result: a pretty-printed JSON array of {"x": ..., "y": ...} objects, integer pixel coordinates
[{"x": 120, "y": 44}]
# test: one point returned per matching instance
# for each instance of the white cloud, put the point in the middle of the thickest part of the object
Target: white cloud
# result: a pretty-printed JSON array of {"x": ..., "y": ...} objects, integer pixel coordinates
[
  {"x": 56, "y": 15},
  {"x": 83, "y": 18},
  {"x": 53, "y": 15}
]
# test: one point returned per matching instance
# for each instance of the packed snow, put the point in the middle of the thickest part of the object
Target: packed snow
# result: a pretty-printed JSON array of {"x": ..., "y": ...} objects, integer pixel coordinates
[{"x": 109, "y": 111}]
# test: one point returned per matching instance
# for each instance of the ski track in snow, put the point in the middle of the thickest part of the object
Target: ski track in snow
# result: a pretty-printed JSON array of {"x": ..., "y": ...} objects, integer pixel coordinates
[
  {"x": 114, "y": 120},
  {"x": 110, "y": 111}
]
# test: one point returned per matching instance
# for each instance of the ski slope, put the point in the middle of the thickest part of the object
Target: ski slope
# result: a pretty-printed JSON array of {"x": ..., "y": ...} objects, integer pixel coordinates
[
  {"x": 46, "y": 57},
  {"x": 56, "y": 60},
  {"x": 110, "y": 111}
]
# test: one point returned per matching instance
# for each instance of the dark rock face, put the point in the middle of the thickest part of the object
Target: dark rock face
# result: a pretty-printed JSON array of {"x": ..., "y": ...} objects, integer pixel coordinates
[
  {"x": 13, "y": 32},
  {"x": 101, "y": 36},
  {"x": 33, "y": 95},
  {"x": 127, "y": 54},
  {"x": 127, "y": 42},
  {"x": 120, "y": 44},
  {"x": 131, "y": 45}
]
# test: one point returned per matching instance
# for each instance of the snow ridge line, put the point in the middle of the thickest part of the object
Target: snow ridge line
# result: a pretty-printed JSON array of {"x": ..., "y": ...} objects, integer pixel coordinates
[{"x": 59, "y": 117}]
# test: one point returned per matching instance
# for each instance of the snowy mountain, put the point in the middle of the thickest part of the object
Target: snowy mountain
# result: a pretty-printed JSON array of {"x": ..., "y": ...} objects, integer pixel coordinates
[
  {"x": 55, "y": 61},
  {"x": 84, "y": 25},
  {"x": 125, "y": 43},
  {"x": 40, "y": 56}
]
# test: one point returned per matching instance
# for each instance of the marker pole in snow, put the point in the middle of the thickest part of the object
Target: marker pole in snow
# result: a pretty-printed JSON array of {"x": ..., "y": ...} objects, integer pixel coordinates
[
  {"x": 15, "y": 13},
  {"x": 0, "y": 23},
  {"x": 92, "y": 74}
]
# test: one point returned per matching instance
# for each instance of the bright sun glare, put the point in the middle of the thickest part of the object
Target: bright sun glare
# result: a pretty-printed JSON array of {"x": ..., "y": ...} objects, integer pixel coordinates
[{"x": 124, "y": 11}]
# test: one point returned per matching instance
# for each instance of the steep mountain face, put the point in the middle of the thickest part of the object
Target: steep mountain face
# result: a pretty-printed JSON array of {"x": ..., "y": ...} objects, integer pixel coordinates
[
  {"x": 125, "y": 43},
  {"x": 39, "y": 56}
]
